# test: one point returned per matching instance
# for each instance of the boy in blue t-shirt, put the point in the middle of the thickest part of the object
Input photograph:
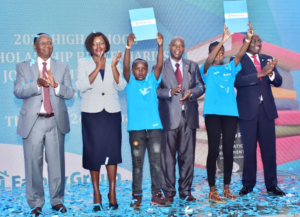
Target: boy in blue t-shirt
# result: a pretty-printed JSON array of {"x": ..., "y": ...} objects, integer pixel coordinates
[{"x": 144, "y": 125}]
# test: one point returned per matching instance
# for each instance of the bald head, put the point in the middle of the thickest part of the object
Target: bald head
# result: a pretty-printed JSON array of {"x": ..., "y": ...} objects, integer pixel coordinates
[{"x": 177, "y": 38}]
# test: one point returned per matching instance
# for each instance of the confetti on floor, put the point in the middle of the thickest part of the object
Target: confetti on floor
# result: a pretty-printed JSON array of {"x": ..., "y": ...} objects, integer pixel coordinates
[{"x": 79, "y": 201}]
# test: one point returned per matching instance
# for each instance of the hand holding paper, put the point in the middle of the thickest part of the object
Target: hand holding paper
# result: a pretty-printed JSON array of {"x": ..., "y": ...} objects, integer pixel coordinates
[
  {"x": 250, "y": 32},
  {"x": 130, "y": 40},
  {"x": 226, "y": 34}
]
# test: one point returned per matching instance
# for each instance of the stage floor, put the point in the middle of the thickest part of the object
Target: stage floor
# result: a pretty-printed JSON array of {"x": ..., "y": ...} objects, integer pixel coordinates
[{"x": 78, "y": 200}]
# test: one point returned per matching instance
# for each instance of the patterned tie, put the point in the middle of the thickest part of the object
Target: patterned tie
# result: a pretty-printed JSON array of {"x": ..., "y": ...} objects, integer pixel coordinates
[
  {"x": 256, "y": 64},
  {"x": 47, "y": 103},
  {"x": 179, "y": 77}
]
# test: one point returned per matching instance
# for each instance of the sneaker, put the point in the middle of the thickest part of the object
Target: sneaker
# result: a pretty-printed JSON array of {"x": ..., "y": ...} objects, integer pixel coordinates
[
  {"x": 136, "y": 201},
  {"x": 158, "y": 199},
  {"x": 215, "y": 197},
  {"x": 227, "y": 194}
]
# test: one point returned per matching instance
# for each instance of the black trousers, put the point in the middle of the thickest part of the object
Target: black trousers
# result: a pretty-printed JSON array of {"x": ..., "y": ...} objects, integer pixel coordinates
[
  {"x": 180, "y": 141},
  {"x": 260, "y": 129},
  {"x": 215, "y": 125}
]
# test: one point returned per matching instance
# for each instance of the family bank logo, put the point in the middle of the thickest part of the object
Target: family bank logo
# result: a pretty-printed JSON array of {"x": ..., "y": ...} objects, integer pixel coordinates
[{"x": 16, "y": 181}]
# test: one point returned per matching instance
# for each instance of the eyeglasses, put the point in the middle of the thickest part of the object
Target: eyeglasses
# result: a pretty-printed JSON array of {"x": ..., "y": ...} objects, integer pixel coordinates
[
  {"x": 254, "y": 41},
  {"x": 44, "y": 43}
]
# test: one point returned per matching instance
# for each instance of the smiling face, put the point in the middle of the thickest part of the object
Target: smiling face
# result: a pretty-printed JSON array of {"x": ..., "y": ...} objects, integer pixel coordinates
[
  {"x": 98, "y": 46},
  {"x": 220, "y": 56},
  {"x": 176, "y": 48},
  {"x": 255, "y": 45},
  {"x": 140, "y": 69},
  {"x": 43, "y": 47}
]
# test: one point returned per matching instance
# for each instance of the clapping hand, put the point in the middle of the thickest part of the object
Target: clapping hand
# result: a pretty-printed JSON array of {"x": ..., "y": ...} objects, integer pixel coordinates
[
  {"x": 175, "y": 90},
  {"x": 41, "y": 82},
  {"x": 116, "y": 58},
  {"x": 50, "y": 79},
  {"x": 268, "y": 69},
  {"x": 186, "y": 95}
]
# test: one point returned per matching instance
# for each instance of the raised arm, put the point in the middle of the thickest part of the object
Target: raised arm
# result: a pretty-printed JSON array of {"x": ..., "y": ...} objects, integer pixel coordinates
[
  {"x": 245, "y": 45},
  {"x": 158, "y": 67},
  {"x": 211, "y": 57},
  {"x": 126, "y": 62}
]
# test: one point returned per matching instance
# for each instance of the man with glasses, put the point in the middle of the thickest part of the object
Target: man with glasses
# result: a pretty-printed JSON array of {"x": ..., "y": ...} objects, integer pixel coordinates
[
  {"x": 257, "y": 113},
  {"x": 180, "y": 86},
  {"x": 43, "y": 84}
]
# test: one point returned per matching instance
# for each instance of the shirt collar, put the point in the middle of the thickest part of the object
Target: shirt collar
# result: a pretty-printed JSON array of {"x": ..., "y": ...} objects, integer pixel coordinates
[
  {"x": 173, "y": 62},
  {"x": 40, "y": 60},
  {"x": 249, "y": 54}
]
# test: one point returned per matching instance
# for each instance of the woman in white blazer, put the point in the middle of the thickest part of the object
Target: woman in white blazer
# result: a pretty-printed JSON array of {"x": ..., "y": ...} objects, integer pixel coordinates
[{"x": 98, "y": 80}]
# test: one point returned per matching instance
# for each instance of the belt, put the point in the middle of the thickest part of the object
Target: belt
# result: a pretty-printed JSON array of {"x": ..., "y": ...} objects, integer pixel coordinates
[{"x": 46, "y": 115}]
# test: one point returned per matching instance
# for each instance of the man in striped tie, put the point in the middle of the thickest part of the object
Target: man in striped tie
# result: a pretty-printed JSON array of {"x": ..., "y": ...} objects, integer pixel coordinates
[
  {"x": 257, "y": 113},
  {"x": 43, "y": 84}
]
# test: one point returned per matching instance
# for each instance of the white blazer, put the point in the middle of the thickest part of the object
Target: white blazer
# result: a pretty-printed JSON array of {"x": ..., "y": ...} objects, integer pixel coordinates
[{"x": 101, "y": 94}]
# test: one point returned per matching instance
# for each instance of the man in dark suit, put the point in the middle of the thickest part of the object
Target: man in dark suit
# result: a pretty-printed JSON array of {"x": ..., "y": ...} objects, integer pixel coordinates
[
  {"x": 178, "y": 91},
  {"x": 257, "y": 112},
  {"x": 43, "y": 84}
]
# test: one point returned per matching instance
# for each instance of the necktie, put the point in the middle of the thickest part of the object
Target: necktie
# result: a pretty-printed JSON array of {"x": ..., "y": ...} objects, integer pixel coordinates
[
  {"x": 256, "y": 64},
  {"x": 178, "y": 74},
  {"x": 179, "y": 77},
  {"x": 47, "y": 103}
]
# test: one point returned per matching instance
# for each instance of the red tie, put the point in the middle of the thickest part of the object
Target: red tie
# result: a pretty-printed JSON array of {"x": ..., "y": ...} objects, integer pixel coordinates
[
  {"x": 256, "y": 64},
  {"x": 179, "y": 77},
  {"x": 178, "y": 74},
  {"x": 47, "y": 103}
]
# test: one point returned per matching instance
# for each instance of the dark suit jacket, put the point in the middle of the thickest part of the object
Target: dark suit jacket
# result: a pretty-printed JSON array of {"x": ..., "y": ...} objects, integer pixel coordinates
[
  {"x": 250, "y": 88},
  {"x": 170, "y": 107}
]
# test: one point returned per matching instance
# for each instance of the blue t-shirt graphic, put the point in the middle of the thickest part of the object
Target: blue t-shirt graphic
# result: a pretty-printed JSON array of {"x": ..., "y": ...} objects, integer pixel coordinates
[
  {"x": 142, "y": 103},
  {"x": 220, "y": 96}
]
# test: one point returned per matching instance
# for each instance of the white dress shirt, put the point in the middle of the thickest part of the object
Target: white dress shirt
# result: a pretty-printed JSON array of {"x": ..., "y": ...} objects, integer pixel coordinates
[
  {"x": 272, "y": 77},
  {"x": 40, "y": 65},
  {"x": 173, "y": 63}
]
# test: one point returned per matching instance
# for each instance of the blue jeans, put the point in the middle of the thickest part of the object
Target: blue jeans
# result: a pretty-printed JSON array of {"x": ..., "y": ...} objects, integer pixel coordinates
[{"x": 139, "y": 142}]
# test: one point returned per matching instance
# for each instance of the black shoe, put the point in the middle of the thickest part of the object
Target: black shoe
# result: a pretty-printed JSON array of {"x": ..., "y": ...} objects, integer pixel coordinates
[
  {"x": 112, "y": 206},
  {"x": 97, "y": 207},
  {"x": 276, "y": 191},
  {"x": 245, "y": 190}
]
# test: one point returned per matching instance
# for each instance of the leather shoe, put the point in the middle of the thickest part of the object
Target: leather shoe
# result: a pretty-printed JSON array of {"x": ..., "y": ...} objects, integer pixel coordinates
[
  {"x": 36, "y": 211},
  {"x": 245, "y": 190},
  {"x": 60, "y": 208},
  {"x": 190, "y": 197},
  {"x": 170, "y": 199},
  {"x": 276, "y": 191}
]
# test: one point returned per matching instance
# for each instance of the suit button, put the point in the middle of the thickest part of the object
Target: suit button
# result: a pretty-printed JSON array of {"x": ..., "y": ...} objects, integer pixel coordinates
[
  {"x": 41, "y": 100},
  {"x": 103, "y": 94},
  {"x": 37, "y": 113}
]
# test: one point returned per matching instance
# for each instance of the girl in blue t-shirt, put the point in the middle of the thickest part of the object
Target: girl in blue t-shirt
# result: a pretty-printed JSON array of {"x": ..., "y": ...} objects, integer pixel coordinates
[{"x": 220, "y": 110}]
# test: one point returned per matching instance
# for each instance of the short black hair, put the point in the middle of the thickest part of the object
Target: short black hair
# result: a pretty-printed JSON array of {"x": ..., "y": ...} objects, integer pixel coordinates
[
  {"x": 212, "y": 45},
  {"x": 137, "y": 60},
  {"x": 89, "y": 41},
  {"x": 37, "y": 36}
]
